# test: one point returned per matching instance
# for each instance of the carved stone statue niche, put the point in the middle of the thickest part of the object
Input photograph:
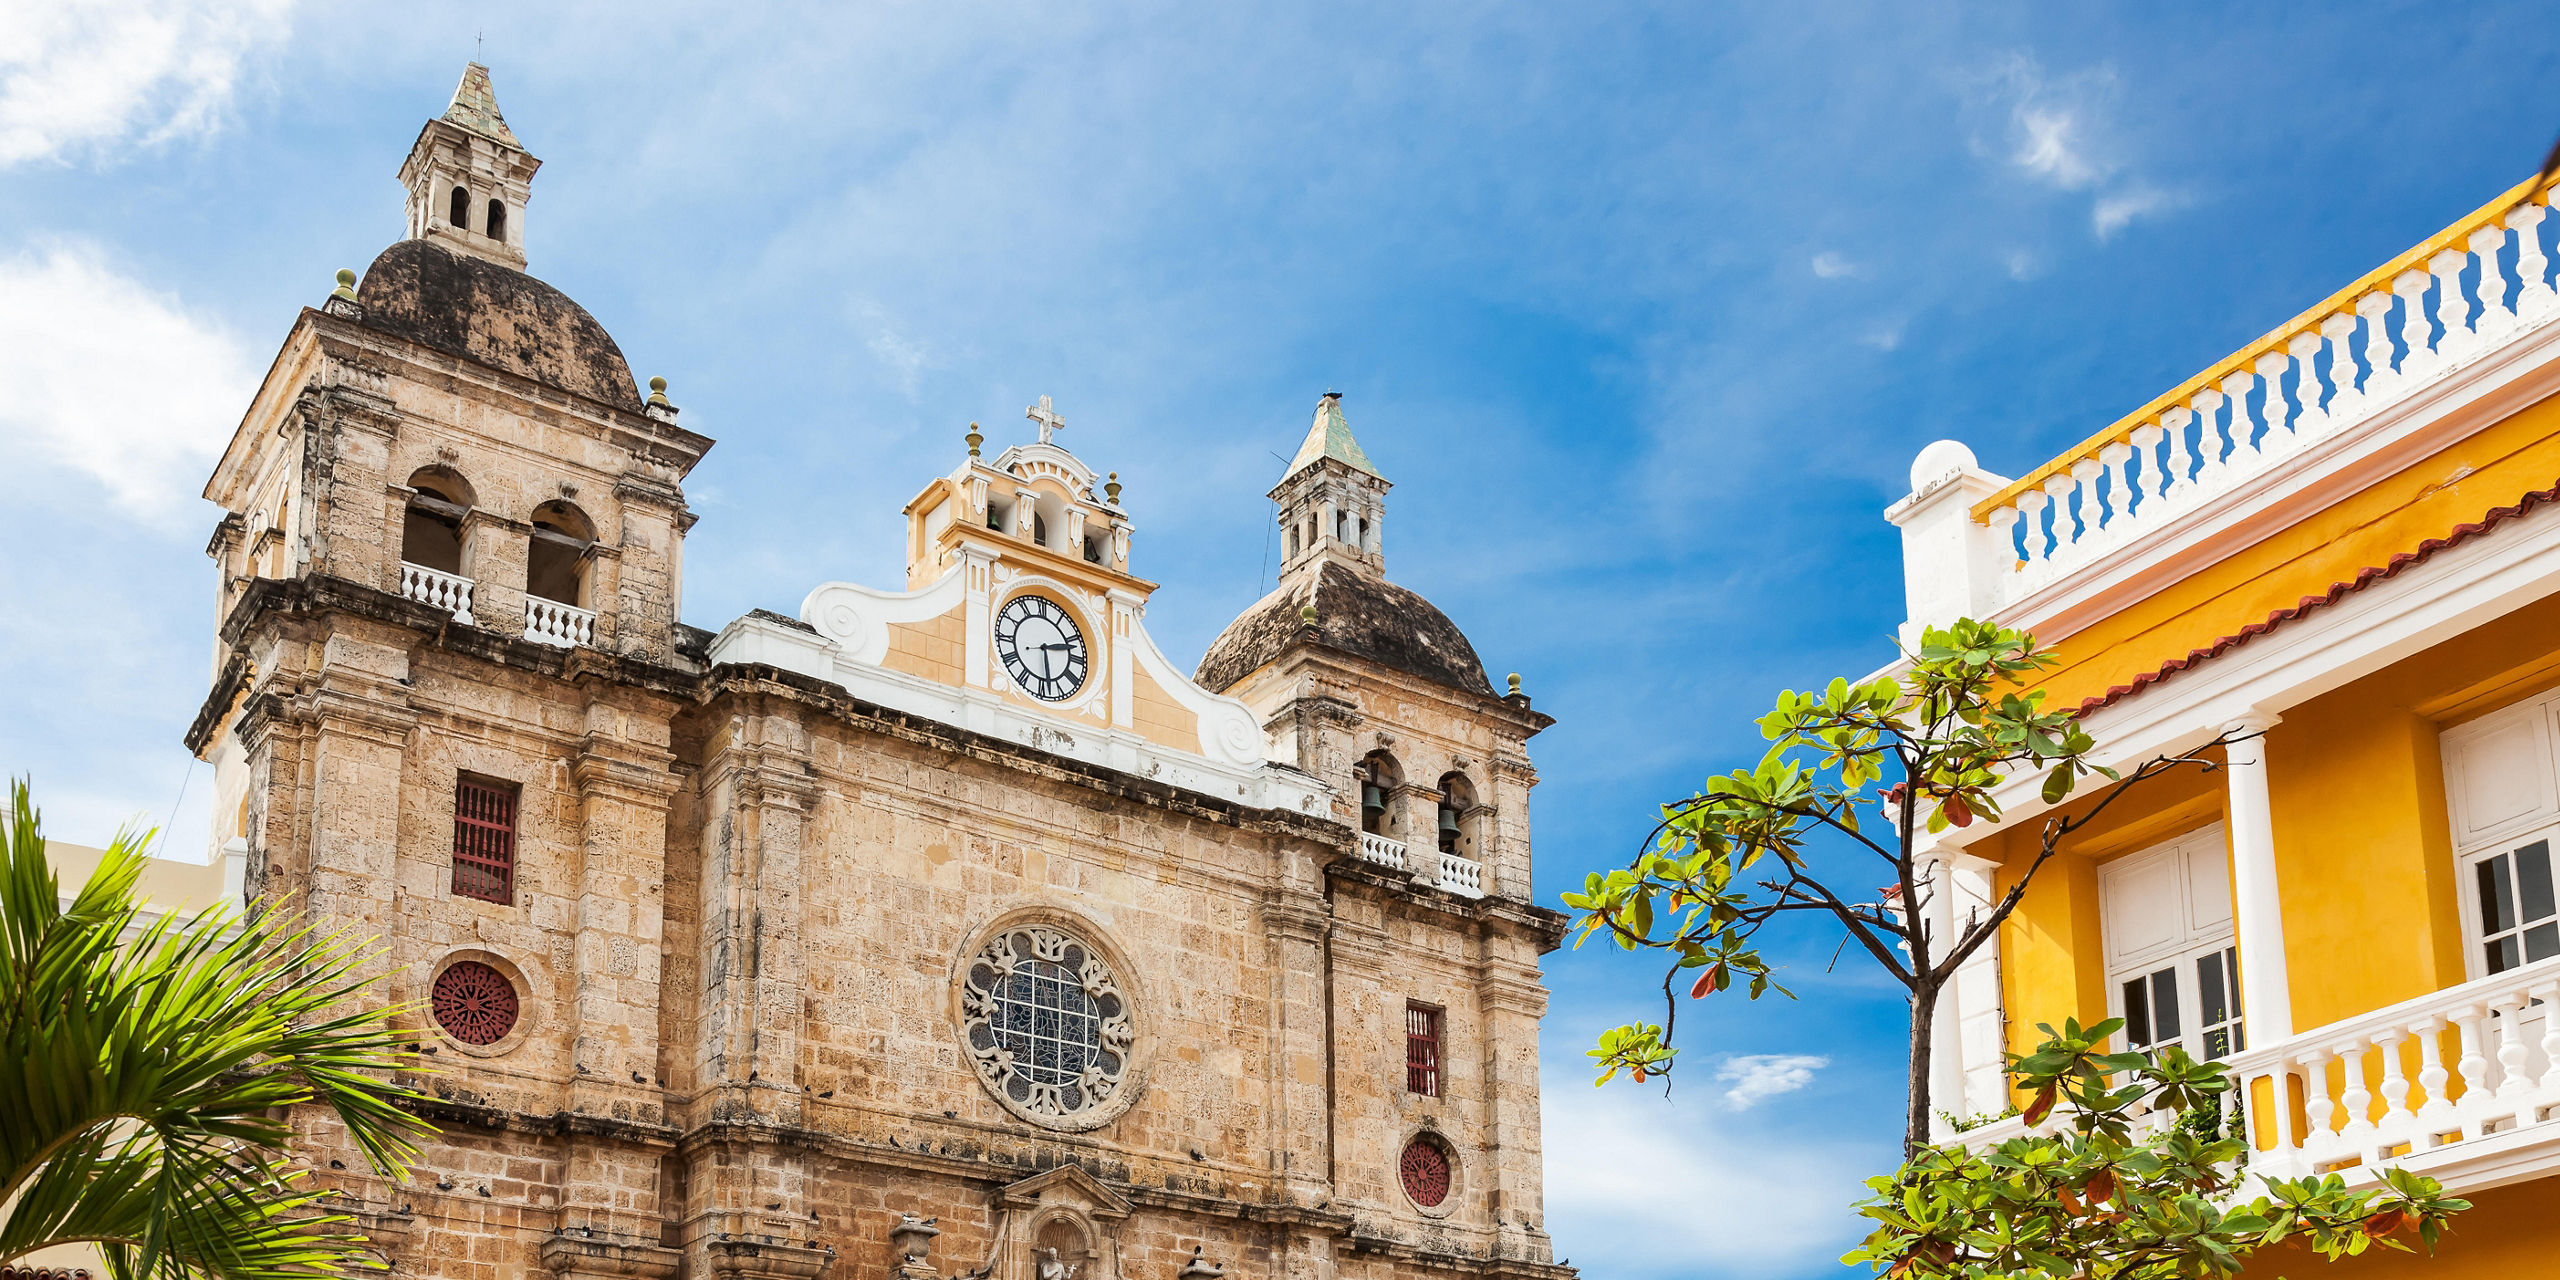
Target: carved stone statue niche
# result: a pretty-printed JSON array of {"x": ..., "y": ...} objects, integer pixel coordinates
[{"x": 1056, "y": 1226}]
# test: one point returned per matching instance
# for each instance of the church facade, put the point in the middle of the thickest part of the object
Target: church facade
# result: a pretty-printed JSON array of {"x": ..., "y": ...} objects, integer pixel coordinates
[{"x": 941, "y": 930}]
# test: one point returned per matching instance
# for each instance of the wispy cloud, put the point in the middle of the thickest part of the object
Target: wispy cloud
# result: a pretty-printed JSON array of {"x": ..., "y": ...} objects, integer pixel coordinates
[
  {"x": 2116, "y": 209},
  {"x": 1830, "y": 265},
  {"x": 85, "y": 73},
  {"x": 2059, "y": 131},
  {"x": 1756, "y": 1077},
  {"x": 1654, "y": 1188},
  {"x": 114, "y": 381},
  {"x": 2022, "y": 264},
  {"x": 1884, "y": 337}
]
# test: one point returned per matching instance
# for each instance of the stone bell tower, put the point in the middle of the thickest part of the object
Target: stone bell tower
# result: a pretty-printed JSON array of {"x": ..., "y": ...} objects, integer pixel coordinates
[
  {"x": 1333, "y": 502},
  {"x": 468, "y": 177}
]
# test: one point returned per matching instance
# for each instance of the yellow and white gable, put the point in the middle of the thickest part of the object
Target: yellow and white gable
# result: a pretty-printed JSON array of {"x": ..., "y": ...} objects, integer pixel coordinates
[{"x": 1021, "y": 620}]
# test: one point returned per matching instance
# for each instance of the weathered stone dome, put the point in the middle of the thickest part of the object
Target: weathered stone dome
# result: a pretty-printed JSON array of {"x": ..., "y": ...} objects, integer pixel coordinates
[
  {"x": 1356, "y": 614},
  {"x": 497, "y": 316}
]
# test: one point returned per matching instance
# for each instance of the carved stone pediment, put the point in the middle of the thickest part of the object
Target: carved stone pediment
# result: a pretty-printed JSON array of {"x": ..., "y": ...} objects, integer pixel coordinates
[{"x": 1059, "y": 1225}]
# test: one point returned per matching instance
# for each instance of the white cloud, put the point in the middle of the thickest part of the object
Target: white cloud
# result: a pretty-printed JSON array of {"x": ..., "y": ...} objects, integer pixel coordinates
[
  {"x": 1638, "y": 1184},
  {"x": 108, "y": 379},
  {"x": 1755, "y": 1077},
  {"x": 2116, "y": 209},
  {"x": 1883, "y": 337},
  {"x": 2060, "y": 132},
  {"x": 85, "y": 73},
  {"x": 2051, "y": 146},
  {"x": 2022, "y": 264},
  {"x": 1829, "y": 265}
]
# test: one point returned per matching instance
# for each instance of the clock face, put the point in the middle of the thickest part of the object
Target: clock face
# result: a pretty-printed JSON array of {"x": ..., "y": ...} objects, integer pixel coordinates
[{"x": 1041, "y": 648}]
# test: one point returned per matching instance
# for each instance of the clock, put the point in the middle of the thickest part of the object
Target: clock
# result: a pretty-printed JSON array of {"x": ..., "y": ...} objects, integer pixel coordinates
[{"x": 1041, "y": 647}]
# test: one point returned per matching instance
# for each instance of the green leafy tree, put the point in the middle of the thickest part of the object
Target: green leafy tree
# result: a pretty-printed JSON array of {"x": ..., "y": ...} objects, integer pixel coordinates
[
  {"x": 145, "y": 1070},
  {"x": 1854, "y": 779},
  {"x": 2095, "y": 1201}
]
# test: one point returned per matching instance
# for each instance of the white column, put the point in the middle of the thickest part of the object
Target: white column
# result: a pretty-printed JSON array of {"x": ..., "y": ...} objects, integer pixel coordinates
[
  {"x": 2265, "y": 994},
  {"x": 1937, "y": 916}
]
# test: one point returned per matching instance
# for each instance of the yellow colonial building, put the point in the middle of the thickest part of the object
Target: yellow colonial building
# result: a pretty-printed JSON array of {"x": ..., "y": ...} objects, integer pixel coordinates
[{"x": 2339, "y": 541}]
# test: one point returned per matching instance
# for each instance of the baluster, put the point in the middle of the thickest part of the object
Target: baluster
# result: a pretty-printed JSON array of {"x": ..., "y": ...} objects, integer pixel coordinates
[
  {"x": 2208, "y": 434},
  {"x": 2039, "y": 544},
  {"x": 2180, "y": 467},
  {"x": 2395, "y": 1075},
  {"x": 2278, "y": 411},
  {"x": 2495, "y": 318},
  {"x": 2057, "y": 489},
  {"x": 2289, "y": 1133},
  {"x": 2317, "y": 1106},
  {"x": 2084, "y": 477},
  {"x": 2309, "y": 392},
  {"x": 2373, "y": 349},
  {"x": 2415, "y": 332},
  {"x": 2356, "y": 1100},
  {"x": 2453, "y": 308},
  {"x": 2340, "y": 331},
  {"x": 2549, "y": 994},
  {"x": 2474, "y": 1066},
  {"x": 2004, "y": 527},
  {"x": 2243, "y": 427},
  {"x": 2511, "y": 1048},
  {"x": 2117, "y": 459},
  {"x": 2534, "y": 296},
  {"x": 2435, "y": 1115},
  {"x": 2146, "y": 446}
]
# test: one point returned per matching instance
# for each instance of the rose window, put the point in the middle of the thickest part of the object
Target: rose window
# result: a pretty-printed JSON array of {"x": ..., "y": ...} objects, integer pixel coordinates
[
  {"x": 474, "y": 1003},
  {"x": 1425, "y": 1170},
  {"x": 1046, "y": 1022}
]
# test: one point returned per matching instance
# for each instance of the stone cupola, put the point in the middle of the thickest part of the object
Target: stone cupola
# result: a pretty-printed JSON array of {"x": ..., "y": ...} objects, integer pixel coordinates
[{"x": 468, "y": 178}]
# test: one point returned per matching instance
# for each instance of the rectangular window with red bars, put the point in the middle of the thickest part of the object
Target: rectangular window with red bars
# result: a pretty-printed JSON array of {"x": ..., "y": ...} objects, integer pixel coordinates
[
  {"x": 484, "y": 840},
  {"x": 1422, "y": 1050}
]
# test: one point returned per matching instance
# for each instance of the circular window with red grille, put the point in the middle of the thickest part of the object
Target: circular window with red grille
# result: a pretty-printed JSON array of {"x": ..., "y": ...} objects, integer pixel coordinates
[
  {"x": 1425, "y": 1169},
  {"x": 474, "y": 1003}
]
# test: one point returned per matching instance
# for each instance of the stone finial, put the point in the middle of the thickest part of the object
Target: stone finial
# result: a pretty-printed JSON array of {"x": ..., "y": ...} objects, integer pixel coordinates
[
  {"x": 1515, "y": 684},
  {"x": 341, "y": 301},
  {"x": 346, "y": 284},
  {"x": 1200, "y": 1268},
  {"x": 1111, "y": 488},
  {"x": 911, "y": 1245},
  {"x": 658, "y": 393},
  {"x": 975, "y": 439},
  {"x": 1306, "y": 615}
]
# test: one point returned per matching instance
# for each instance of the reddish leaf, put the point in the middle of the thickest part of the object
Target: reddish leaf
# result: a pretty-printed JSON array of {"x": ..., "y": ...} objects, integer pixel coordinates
[
  {"x": 2385, "y": 1222},
  {"x": 2101, "y": 1187},
  {"x": 2070, "y": 1203},
  {"x": 1957, "y": 811},
  {"x": 1706, "y": 982},
  {"x": 1640, "y": 1073},
  {"x": 2040, "y": 1108}
]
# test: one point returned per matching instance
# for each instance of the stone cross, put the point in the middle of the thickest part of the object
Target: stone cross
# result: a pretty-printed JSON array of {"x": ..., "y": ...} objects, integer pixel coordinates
[{"x": 1047, "y": 418}]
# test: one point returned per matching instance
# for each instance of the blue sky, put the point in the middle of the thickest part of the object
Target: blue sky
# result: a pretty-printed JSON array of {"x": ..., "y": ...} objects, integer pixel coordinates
[{"x": 1644, "y": 309}]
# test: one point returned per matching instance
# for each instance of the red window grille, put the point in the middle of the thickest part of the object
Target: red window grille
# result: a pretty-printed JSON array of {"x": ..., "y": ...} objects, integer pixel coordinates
[
  {"x": 484, "y": 841},
  {"x": 1422, "y": 1050},
  {"x": 1425, "y": 1172}
]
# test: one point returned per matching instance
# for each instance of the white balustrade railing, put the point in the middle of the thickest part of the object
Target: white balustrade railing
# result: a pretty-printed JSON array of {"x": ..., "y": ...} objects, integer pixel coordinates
[
  {"x": 551, "y": 622},
  {"x": 2467, "y": 1072},
  {"x": 1383, "y": 851},
  {"x": 2416, "y": 1079},
  {"x": 437, "y": 589},
  {"x": 1460, "y": 876},
  {"x": 2362, "y": 351}
]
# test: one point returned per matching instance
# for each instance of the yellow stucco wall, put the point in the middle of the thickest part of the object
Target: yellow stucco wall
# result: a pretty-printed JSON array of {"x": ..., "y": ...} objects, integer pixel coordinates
[
  {"x": 2507, "y": 1234},
  {"x": 2456, "y": 485},
  {"x": 934, "y": 649},
  {"x": 1157, "y": 717}
]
